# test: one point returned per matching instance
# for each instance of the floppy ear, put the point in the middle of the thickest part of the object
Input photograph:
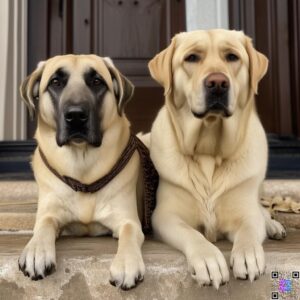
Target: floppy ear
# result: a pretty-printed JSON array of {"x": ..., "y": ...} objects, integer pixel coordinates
[
  {"x": 161, "y": 67},
  {"x": 29, "y": 88},
  {"x": 258, "y": 64},
  {"x": 123, "y": 88}
]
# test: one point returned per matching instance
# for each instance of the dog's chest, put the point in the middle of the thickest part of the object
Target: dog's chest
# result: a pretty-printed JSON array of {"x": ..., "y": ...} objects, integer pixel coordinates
[
  {"x": 83, "y": 207},
  {"x": 201, "y": 172},
  {"x": 91, "y": 229},
  {"x": 202, "y": 178},
  {"x": 84, "y": 218}
]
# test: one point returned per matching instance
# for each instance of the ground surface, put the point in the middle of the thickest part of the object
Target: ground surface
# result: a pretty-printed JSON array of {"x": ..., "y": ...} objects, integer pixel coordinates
[{"x": 83, "y": 264}]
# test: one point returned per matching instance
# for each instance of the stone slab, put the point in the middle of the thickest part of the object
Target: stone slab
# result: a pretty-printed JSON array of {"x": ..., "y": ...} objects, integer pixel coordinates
[
  {"x": 18, "y": 203},
  {"x": 27, "y": 190},
  {"x": 83, "y": 272}
]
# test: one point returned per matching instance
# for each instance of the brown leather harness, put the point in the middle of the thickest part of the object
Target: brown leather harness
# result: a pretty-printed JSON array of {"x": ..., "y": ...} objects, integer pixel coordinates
[{"x": 150, "y": 176}]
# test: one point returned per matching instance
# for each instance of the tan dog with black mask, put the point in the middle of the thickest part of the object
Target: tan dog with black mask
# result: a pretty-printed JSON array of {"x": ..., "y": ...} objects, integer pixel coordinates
[{"x": 82, "y": 133}]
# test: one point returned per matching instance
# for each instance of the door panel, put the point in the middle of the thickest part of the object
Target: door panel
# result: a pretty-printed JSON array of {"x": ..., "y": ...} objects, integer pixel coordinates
[
  {"x": 143, "y": 108},
  {"x": 294, "y": 25},
  {"x": 130, "y": 29},
  {"x": 81, "y": 27}
]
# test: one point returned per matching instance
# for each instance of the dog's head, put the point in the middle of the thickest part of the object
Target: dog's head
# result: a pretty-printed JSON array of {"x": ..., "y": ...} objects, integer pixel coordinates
[
  {"x": 78, "y": 96},
  {"x": 212, "y": 72}
]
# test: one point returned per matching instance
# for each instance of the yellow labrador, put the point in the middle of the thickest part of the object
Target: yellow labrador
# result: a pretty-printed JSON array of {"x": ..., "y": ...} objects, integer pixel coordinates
[
  {"x": 81, "y": 134},
  {"x": 210, "y": 150}
]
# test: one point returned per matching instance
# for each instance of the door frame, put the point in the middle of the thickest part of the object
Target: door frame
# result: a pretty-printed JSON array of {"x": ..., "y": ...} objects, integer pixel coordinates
[{"x": 278, "y": 36}]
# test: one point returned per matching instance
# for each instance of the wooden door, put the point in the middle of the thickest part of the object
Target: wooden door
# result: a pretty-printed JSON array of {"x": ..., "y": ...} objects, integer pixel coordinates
[{"x": 131, "y": 32}]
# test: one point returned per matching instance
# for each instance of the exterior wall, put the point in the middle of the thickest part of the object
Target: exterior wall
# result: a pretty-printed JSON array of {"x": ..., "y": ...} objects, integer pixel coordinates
[
  {"x": 13, "y": 24},
  {"x": 203, "y": 14}
]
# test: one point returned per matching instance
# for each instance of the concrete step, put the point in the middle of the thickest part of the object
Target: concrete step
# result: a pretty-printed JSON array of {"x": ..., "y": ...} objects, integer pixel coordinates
[
  {"x": 27, "y": 190},
  {"x": 83, "y": 272},
  {"x": 83, "y": 263},
  {"x": 18, "y": 203},
  {"x": 282, "y": 187}
]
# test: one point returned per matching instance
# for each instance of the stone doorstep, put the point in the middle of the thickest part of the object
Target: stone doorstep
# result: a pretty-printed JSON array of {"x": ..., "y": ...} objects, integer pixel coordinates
[
  {"x": 83, "y": 272},
  {"x": 278, "y": 187},
  {"x": 25, "y": 221},
  {"x": 18, "y": 203},
  {"x": 83, "y": 263},
  {"x": 27, "y": 190}
]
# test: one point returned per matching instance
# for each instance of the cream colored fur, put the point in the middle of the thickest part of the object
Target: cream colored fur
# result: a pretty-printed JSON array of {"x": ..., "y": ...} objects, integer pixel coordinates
[
  {"x": 113, "y": 209},
  {"x": 211, "y": 169}
]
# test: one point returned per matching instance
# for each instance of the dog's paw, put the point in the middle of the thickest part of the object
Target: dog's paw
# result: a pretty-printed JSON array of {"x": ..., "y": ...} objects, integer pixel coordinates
[
  {"x": 275, "y": 230},
  {"x": 127, "y": 270},
  {"x": 37, "y": 259},
  {"x": 248, "y": 261},
  {"x": 208, "y": 266}
]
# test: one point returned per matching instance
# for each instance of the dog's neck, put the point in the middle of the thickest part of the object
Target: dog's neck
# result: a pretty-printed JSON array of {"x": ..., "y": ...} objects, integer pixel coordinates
[
  {"x": 214, "y": 136},
  {"x": 84, "y": 163}
]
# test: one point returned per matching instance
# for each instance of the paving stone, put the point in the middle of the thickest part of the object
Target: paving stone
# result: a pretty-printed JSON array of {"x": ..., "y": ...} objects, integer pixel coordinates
[
  {"x": 83, "y": 272},
  {"x": 18, "y": 203}
]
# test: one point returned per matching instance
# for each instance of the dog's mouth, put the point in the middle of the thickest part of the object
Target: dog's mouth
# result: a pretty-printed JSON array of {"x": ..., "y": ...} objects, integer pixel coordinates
[
  {"x": 219, "y": 108},
  {"x": 76, "y": 131},
  {"x": 214, "y": 108},
  {"x": 79, "y": 138}
]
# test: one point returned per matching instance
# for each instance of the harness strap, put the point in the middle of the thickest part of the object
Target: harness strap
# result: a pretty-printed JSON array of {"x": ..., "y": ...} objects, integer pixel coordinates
[{"x": 150, "y": 176}]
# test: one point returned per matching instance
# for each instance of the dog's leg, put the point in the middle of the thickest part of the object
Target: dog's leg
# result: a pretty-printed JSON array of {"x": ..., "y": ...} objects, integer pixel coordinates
[
  {"x": 127, "y": 268},
  {"x": 38, "y": 257},
  {"x": 247, "y": 257},
  {"x": 275, "y": 230},
  {"x": 205, "y": 261}
]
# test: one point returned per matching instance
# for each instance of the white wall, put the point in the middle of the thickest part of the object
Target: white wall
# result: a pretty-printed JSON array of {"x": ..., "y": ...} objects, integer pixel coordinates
[
  {"x": 13, "y": 37},
  {"x": 206, "y": 14},
  {"x": 3, "y": 60}
]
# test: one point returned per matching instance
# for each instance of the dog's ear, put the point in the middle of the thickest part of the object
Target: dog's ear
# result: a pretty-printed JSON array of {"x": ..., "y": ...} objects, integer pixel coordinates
[
  {"x": 29, "y": 88},
  {"x": 161, "y": 67},
  {"x": 258, "y": 65},
  {"x": 123, "y": 88}
]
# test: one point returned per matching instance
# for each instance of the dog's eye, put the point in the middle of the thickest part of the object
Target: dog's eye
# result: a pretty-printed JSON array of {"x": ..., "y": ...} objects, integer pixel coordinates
[
  {"x": 231, "y": 57},
  {"x": 55, "y": 82},
  {"x": 97, "y": 81},
  {"x": 192, "y": 58}
]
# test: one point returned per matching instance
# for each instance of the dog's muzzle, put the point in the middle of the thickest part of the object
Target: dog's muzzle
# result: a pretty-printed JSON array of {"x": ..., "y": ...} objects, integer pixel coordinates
[
  {"x": 216, "y": 89},
  {"x": 78, "y": 124}
]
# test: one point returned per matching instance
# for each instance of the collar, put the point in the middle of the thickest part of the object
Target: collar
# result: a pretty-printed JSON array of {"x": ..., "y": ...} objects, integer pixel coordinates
[
  {"x": 150, "y": 177},
  {"x": 78, "y": 186}
]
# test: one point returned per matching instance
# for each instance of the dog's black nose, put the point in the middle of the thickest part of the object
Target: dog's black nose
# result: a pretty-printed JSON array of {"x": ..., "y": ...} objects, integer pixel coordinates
[
  {"x": 76, "y": 115},
  {"x": 217, "y": 83}
]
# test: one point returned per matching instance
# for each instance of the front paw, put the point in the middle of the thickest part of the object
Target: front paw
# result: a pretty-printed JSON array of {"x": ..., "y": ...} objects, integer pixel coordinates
[
  {"x": 37, "y": 259},
  {"x": 127, "y": 270},
  {"x": 247, "y": 261},
  {"x": 275, "y": 230},
  {"x": 208, "y": 266}
]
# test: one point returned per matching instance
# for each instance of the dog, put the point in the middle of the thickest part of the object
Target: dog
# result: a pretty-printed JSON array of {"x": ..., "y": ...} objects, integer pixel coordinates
[
  {"x": 210, "y": 150},
  {"x": 81, "y": 133}
]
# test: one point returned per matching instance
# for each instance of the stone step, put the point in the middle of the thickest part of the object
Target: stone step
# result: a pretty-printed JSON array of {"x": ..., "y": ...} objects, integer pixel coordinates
[
  {"x": 283, "y": 188},
  {"x": 83, "y": 272},
  {"x": 18, "y": 203},
  {"x": 27, "y": 190},
  {"x": 18, "y": 191},
  {"x": 25, "y": 221}
]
